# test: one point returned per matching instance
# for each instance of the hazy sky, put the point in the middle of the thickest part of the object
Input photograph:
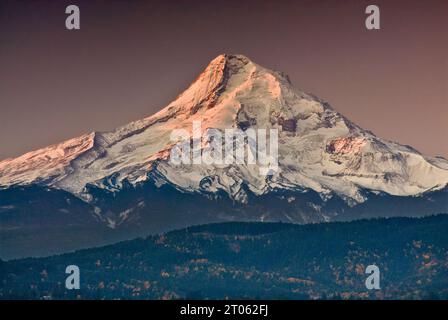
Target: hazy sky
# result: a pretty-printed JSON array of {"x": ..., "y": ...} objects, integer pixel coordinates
[{"x": 131, "y": 58}]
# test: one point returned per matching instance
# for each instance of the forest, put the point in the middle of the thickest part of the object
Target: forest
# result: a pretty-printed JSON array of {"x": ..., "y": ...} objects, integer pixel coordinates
[{"x": 242, "y": 260}]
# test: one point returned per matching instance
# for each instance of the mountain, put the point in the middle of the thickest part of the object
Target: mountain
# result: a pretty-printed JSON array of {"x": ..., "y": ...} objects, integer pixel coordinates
[
  {"x": 251, "y": 261},
  {"x": 122, "y": 183}
]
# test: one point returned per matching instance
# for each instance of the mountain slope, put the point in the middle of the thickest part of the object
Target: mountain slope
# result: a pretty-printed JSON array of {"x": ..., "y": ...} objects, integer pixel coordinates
[
  {"x": 328, "y": 167},
  {"x": 319, "y": 148},
  {"x": 252, "y": 261}
]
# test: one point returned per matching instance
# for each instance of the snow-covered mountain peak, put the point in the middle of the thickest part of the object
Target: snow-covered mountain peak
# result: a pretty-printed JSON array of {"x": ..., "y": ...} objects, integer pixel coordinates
[
  {"x": 319, "y": 149},
  {"x": 228, "y": 77}
]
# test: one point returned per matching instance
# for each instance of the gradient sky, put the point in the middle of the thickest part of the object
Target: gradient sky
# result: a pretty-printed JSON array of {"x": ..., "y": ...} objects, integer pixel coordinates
[{"x": 131, "y": 58}]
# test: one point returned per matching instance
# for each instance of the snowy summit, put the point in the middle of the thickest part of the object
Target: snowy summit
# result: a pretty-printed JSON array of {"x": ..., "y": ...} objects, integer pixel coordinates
[{"x": 319, "y": 149}]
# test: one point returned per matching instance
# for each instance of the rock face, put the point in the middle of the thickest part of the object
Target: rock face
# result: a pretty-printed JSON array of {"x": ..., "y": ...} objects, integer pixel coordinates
[{"x": 328, "y": 167}]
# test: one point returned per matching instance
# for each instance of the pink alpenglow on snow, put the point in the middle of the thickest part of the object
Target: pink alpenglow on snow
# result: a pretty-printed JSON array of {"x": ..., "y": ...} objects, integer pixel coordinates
[
  {"x": 318, "y": 148},
  {"x": 346, "y": 145}
]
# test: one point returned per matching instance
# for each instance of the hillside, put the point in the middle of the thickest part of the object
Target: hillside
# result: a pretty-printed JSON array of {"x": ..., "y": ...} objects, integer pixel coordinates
[{"x": 251, "y": 260}]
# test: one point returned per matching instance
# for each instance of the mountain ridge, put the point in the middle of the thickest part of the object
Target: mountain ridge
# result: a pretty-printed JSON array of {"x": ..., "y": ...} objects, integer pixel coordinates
[
  {"x": 329, "y": 167},
  {"x": 216, "y": 84}
]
